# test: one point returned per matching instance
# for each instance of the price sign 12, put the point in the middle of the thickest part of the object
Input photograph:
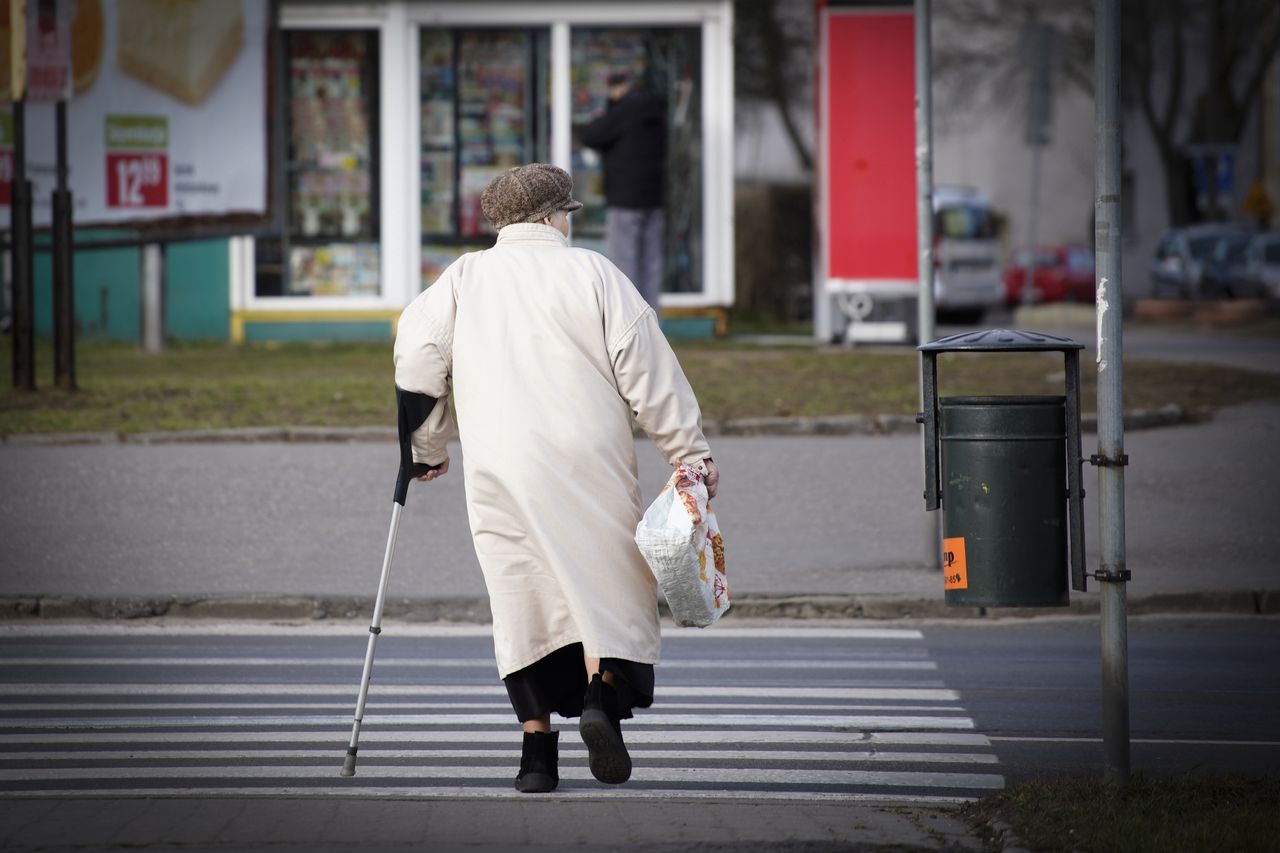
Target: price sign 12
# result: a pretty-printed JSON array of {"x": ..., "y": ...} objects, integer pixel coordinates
[{"x": 137, "y": 179}]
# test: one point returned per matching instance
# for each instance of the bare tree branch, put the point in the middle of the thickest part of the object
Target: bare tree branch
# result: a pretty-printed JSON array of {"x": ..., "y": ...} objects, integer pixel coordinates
[
  {"x": 772, "y": 46},
  {"x": 1174, "y": 101},
  {"x": 978, "y": 61},
  {"x": 1267, "y": 38}
]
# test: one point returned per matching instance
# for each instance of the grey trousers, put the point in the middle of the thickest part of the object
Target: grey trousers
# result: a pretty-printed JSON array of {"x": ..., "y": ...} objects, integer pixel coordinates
[{"x": 635, "y": 242}]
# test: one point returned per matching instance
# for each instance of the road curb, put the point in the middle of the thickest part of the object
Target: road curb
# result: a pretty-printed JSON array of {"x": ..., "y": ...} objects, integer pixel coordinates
[
  {"x": 472, "y": 610},
  {"x": 237, "y": 435},
  {"x": 1171, "y": 414}
]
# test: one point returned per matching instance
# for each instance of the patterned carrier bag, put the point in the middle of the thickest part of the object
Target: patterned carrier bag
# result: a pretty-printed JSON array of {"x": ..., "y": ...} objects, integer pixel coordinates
[{"x": 681, "y": 542}]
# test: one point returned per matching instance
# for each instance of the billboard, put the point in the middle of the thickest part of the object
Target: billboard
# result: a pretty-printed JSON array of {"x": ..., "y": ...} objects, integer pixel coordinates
[{"x": 167, "y": 115}]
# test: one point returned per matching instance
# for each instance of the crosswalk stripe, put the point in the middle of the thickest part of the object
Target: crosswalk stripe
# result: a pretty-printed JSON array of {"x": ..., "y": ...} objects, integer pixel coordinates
[
  {"x": 352, "y": 788},
  {"x": 482, "y": 664},
  {"x": 509, "y": 736},
  {"x": 887, "y": 721},
  {"x": 503, "y": 752},
  {"x": 329, "y": 707},
  {"x": 419, "y": 630},
  {"x": 798, "y": 632},
  {"x": 917, "y": 692},
  {"x": 640, "y": 775}
]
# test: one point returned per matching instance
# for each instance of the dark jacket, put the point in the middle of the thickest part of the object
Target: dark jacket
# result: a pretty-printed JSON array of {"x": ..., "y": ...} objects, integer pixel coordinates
[{"x": 631, "y": 137}]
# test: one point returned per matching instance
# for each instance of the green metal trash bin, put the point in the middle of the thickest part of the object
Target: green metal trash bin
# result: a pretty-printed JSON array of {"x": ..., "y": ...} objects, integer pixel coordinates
[
  {"x": 1003, "y": 485},
  {"x": 1005, "y": 470}
]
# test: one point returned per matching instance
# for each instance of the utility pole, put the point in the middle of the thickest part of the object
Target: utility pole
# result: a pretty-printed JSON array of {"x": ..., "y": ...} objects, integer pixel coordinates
[
  {"x": 20, "y": 239},
  {"x": 1110, "y": 458},
  {"x": 924, "y": 231},
  {"x": 64, "y": 312}
]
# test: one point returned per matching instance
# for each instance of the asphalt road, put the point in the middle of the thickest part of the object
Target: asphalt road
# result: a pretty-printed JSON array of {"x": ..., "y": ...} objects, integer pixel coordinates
[
  {"x": 800, "y": 515},
  {"x": 172, "y": 735},
  {"x": 1203, "y": 692}
]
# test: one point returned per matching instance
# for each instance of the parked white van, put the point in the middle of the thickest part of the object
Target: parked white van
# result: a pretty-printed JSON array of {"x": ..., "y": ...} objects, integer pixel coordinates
[{"x": 966, "y": 255}]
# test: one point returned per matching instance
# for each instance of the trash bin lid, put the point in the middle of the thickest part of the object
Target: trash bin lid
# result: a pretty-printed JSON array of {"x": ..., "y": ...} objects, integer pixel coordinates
[{"x": 1001, "y": 340}]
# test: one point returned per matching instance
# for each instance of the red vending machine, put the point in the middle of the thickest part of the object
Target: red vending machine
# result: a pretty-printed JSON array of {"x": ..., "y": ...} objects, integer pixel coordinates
[{"x": 866, "y": 278}]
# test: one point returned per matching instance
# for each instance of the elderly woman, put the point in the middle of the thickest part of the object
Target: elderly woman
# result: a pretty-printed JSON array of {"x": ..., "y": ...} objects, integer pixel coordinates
[{"x": 547, "y": 353}]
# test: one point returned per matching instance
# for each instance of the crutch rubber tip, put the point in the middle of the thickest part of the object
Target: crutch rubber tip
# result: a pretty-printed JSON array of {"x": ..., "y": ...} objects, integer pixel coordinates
[{"x": 349, "y": 766}]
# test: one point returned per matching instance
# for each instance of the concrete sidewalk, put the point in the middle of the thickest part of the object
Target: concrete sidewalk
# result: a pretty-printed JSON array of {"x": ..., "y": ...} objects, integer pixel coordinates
[{"x": 542, "y": 824}]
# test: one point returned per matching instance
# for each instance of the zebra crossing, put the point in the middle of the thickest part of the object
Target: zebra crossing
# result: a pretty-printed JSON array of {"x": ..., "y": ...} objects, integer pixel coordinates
[{"x": 837, "y": 714}]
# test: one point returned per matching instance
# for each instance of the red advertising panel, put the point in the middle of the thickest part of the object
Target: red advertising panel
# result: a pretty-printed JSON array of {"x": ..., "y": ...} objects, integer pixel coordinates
[{"x": 869, "y": 89}]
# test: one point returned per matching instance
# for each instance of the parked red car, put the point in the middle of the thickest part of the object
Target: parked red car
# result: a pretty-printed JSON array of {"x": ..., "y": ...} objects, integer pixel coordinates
[{"x": 1064, "y": 273}]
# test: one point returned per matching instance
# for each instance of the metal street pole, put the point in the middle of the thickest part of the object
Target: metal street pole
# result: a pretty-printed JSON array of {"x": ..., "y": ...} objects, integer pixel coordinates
[
  {"x": 1111, "y": 457},
  {"x": 924, "y": 236},
  {"x": 20, "y": 247},
  {"x": 64, "y": 312},
  {"x": 21, "y": 256},
  {"x": 153, "y": 297}
]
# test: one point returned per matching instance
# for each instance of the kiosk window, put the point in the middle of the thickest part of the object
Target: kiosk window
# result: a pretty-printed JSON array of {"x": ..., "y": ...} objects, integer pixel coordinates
[
  {"x": 484, "y": 109},
  {"x": 668, "y": 61},
  {"x": 331, "y": 172}
]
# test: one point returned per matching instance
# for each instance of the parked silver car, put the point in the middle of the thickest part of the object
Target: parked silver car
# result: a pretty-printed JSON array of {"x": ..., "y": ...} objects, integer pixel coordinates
[
  {"x": 1261, "y": 271},
  {"x": 1198, "y": 260}
]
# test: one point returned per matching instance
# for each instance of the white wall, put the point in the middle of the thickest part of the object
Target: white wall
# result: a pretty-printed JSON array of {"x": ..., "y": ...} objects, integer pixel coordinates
[
  {"x": 762, "y": 151},
  {"x": 987, "y": 151}
]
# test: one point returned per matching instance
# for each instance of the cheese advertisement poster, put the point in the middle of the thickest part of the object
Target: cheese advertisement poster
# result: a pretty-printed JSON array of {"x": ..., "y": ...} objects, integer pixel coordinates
[{"x": 167, "y": 116}]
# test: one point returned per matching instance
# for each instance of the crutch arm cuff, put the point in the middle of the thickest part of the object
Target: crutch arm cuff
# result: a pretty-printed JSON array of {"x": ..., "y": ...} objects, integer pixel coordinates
[{"x": 412, "y": 411}]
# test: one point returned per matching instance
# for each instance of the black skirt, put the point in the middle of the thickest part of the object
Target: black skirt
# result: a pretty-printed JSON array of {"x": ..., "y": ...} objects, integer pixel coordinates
[{"x": 558, "y": 682}]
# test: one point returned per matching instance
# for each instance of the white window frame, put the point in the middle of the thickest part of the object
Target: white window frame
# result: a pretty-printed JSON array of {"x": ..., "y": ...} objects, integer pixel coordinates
[{"x": 397, "y": 47}]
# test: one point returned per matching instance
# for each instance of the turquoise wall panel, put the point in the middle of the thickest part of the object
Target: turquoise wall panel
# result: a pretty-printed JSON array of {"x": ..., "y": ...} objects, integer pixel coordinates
[
  {"x": 197, "y": 279},
  {"x": 106, "y": 293},
  {"x": 350, "y": 331},
  {"x": 689, "y": 328}
]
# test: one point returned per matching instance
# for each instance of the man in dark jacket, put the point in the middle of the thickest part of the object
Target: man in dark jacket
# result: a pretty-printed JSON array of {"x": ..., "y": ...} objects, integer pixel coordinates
[{"x": 631, "y": 136}]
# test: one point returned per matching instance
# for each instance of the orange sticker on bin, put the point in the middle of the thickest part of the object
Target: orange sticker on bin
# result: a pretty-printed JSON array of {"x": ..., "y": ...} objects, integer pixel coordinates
[{"x": 954, "y": 570}]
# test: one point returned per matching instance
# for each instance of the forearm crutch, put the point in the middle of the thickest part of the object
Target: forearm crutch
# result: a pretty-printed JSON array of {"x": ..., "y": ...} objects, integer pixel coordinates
[{"x": 411, "y": 412}]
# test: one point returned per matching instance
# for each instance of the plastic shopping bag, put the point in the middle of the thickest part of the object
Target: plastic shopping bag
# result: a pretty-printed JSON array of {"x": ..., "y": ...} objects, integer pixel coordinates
[{"x": 680, "y": 540}]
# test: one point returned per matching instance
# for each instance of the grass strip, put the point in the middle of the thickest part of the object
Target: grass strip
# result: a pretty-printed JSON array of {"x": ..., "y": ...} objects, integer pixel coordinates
[
  {"x": 124, "y": 389},
  {"x": 1152, "y": 814}
]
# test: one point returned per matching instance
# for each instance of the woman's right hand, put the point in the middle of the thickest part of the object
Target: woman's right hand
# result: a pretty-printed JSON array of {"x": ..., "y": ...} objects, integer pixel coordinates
[
  {"x": 437, "y": 472},
  {"x": 711, "y": 479}
]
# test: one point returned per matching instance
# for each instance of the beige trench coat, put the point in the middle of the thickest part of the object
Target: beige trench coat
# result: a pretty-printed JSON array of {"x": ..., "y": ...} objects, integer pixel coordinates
[{"x": 548, "y": 351}]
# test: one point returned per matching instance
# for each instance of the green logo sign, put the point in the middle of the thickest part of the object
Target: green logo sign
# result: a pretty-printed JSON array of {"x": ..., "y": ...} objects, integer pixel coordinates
[{"x": 137, "y": 133}]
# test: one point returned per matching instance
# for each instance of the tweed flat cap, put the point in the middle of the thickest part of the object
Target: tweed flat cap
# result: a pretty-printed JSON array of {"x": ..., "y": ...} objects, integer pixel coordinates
[{"x": 527, "y": 194}]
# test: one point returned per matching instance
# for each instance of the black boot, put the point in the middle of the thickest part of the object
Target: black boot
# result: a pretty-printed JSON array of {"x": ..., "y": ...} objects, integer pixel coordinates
[
  {"x": 601, "y": 729},
  {"x": 538, "y": 758}
]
